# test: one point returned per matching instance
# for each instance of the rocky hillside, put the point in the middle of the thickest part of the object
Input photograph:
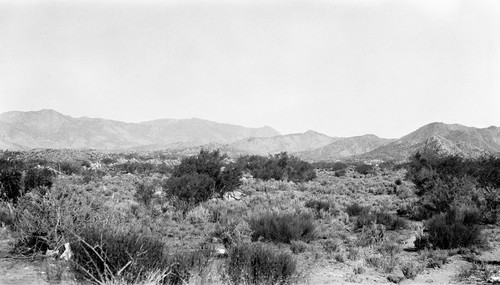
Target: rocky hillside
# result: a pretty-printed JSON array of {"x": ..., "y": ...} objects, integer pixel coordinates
[
  {"x": 290, "y": 143},
  {"x": 344, "y": 148},
  {"x": 443, "y": 138},
  {"x": 50, "y": 129}
]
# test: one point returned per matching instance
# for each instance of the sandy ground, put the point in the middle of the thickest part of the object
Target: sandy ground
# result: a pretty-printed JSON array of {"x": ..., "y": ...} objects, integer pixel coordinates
[{"x": 15, "y": 270}]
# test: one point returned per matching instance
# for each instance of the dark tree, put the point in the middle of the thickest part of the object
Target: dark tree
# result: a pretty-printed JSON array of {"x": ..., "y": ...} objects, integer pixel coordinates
[
  {"x": 201, "y": 177},
  {"x": 10, "y": 184}
]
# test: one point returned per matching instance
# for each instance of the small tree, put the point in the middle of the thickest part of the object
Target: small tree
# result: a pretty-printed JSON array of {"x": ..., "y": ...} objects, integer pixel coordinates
[
  {"x": 200, "y": 177},
  {"x": 38, "y": 177},
  {"x": 10, "y": 184},
  {"x": 364, "y": 169},
  {"x": 144, "y": 193},
  {"x": 279, "y": 167}
]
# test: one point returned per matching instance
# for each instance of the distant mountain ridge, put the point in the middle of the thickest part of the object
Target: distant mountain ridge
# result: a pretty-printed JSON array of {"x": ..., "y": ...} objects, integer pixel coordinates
[
  {"x": 451, "y": 139},
  {"x": 344, "y": 148},
  {"x": 50, "y": 129},
  {"x": 291, "y": 143}
]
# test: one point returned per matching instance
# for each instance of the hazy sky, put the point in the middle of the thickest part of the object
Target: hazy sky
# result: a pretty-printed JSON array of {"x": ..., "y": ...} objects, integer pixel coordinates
[{"x": 342, "y": 68}]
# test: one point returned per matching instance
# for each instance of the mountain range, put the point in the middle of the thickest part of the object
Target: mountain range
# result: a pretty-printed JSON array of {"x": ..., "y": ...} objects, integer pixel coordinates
[{"x": 50, "y": 129}]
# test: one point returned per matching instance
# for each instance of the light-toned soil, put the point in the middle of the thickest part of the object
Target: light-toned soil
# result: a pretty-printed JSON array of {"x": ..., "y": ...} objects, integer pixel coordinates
[{"x": 16, "y": 270}]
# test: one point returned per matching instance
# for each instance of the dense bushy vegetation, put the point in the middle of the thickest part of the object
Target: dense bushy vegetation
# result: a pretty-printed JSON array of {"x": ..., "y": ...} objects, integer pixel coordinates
[
  {"x": 283, "y": 227},
  {"x": 446, "y": 182},
  {"x": 127, "y": 220},
  {"x": 259, "y": 264},
  {"x": 103, "y": 253},
  {"x": 279, "y": 167},
  {"x": 458, "y": 227},
  {"x": 17, "y": 178},
  {"x": 199, "y": 178},
  {"x": 364, "y": 169}
]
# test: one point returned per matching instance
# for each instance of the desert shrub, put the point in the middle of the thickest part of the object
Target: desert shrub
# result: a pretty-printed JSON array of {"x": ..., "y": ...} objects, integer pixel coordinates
[
  {"x": 283, "y": 227},
  {"x": 107, "y": 253},
  {"x": 390, "y": 221},
  {"x": 411, "y": 269},
  {"x": 359, "y": 269},
  {"x": 398, "y": 182},
  {"x": 355, "y": 209},
  {"x": 10, "y": 185},
  {"x": 332, "y": 166},
  {"x": 199, "y": 178},
  {"x": 38, "y": 177},
  {"x": 331, "y": 246},
  {"x": 6, "y": 214},
  {"x": 477, "y": 271},
  {"x": 340, "y": 173},
  {"x": 108, "y": 160},
  {"x": 387, "y": 165},
  {"x": 69, "y": 168},
  {"x": 298, "y": 246},
  {"x": 318, "y": 206},
  {"x": 233, "y": 232},
  {"x": 374, "y": 261},
  {"x": 372, "y": 234},
  {"x": 198, "y": 215},
  {"x": 256, "y": 263},
  {"x": 44, "y": 220},
  {"x": 144, "y": 193},
  {"x": 353, "y": 253},
  {"x": 444, "y": 181},
  {"x": 364, "y": 169},
  {"x": 339, "y": 257},
  {"x": 365, "y": 218},
  {"x": 455, "y": 228},
  {"x": 435, "y": 258},
  {"x": 390, "y": 249},
  {"x": 279, "y": 167},
  {"x": 100, "y": 253},
  {"x": 422, "y": 242}
]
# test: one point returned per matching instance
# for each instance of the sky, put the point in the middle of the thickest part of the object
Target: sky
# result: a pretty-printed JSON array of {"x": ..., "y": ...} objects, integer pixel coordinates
[{"x": 340, "y": 67}]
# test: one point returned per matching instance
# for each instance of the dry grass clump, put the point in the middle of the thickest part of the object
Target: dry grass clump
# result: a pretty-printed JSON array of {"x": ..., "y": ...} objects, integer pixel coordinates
[
  {"x": 283, "y": 227},
  {"x": 411, "y": 269},
  {"x": 257, "y": 263}
]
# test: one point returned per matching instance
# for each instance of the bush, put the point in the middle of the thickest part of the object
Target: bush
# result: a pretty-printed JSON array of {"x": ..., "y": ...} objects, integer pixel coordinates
[
  {"x": 455, "y": 228},
  {"x": 100, "y": 253},
  {"x": 340, "y": 173},
  {"x": 10, "y": 185},
  {"x": 390, "y": 221},
  {"x": 319, "y": 205},
  {"x": 259, "y": 264},
  {"x": 38, "y": 177},
  {"x": 355, "y": 209},
  {"x": 70, "y": 168},
  {"x": 332, "y": 166},
  {"x": 364, "y": 169},
  {"x": 298, "y": 246},
  {"x": 279, "y": 167},
  {"x": 371, "y": 235},
  {"x": 144, "y": 193},
  {"x": 233, "y": 233},
  {"x": 411, "y": 270},
  {"x": 6, "y": 215},
  {"x": 199, "y": 178},
  {"x": 449, "y": 180},
  {"x": 283, "y": 227},
  {"x": 104, "y": 253}
]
